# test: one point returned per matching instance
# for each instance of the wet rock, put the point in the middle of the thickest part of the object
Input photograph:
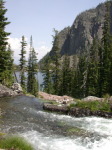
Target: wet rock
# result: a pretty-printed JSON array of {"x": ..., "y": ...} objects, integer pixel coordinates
[
  {"x": 79, "y": 112},
  {"x": 75, "y": 111},
  {"x": 83, "y": 112},
  {"x": 55, "y": 108}
]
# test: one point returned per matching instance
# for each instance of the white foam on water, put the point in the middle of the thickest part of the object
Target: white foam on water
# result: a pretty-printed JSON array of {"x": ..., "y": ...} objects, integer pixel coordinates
[
  {"x": 94, "y": 124},
  {"x": 41, "y": 142}
]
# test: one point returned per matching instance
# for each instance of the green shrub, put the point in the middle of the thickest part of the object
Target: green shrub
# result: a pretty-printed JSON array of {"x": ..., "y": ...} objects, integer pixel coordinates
[
  {"x": 106, "y": 96},
  {"x": 16, "y": 143},
  {"x": 94, "y": 105}
]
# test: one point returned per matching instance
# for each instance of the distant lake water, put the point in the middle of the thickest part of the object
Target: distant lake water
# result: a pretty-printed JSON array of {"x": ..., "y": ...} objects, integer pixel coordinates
[{"x": 39, "y": 78}]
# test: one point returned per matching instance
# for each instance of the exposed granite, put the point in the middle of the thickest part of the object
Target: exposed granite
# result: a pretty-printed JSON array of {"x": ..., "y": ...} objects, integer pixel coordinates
[
  {"x": 76, "y": 39},
  {"x": 6, "y": 92}
]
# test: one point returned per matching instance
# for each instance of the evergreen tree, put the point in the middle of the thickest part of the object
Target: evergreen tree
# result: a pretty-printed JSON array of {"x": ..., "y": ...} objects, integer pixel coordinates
[
  {"x": 8, "y": 73},
  {"x": 66, "y": 78},
  {"x": 56, "y": 62},
  {"x": 74, "y": 78},
  {"x": 23, "y": 63},
  {"x": 48, "y": 87},
  {"x": 32, "y": 83},
  {"x": 4, "y": 58},
  {"x": 105, "y": 55},
  {"x": 92, "y": 76},
  {"x": 81, "y": 75}
]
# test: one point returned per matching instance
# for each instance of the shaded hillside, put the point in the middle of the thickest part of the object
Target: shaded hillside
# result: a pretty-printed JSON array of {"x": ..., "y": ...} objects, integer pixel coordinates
[{"x": 79, "y": 37}]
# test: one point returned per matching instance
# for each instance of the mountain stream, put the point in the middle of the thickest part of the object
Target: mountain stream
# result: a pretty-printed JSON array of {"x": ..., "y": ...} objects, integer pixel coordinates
[{"x": 24, "y": 116}]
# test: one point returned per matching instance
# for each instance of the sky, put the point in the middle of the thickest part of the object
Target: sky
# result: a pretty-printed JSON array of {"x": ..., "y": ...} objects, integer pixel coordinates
[{"x": 38, "y": 18}]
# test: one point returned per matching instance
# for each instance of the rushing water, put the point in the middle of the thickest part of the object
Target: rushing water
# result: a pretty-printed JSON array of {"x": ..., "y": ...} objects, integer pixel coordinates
[{"x": 49, "y": 131}]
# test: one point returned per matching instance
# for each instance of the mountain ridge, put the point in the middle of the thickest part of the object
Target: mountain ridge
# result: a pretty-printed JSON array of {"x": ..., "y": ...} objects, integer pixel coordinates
[{"x": 76, "y": 39}]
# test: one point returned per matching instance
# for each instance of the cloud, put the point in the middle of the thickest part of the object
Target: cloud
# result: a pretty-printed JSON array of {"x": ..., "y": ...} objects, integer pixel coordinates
[{"x": 42, "y": 49}]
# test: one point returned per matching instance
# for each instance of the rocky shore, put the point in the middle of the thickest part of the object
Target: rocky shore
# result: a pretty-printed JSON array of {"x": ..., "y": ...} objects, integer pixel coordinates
[
  {"x": 75, "y": 111},
  {"x": 8, "y": 92},
  {"x": 71, "y": 108},
  {"x": 59, "y": 99}
]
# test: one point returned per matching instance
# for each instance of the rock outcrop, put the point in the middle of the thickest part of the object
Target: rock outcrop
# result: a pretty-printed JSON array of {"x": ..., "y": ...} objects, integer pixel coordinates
[
  {"x": 93, "y": 98},
  {"x": 14, "y": 91},
  {"x": 76, "y": 39},
  {"x": 17, "y": 88},
  {"x": 59, "y": 99},
  {"x": 6, "y": 92}
]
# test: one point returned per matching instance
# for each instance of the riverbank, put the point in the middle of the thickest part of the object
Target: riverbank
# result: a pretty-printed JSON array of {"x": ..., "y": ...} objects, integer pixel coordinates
[
  {"x": 89, "y": 106},
  {"x": 15, "y": 90},
  {"x": 58, "y": 99}
]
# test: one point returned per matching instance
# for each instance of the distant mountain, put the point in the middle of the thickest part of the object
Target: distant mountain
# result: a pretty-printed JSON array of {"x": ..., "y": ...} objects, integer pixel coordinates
[{"x": 79, "y": 37}]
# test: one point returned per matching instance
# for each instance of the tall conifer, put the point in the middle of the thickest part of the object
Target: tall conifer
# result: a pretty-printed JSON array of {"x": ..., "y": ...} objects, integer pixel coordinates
[
  {"x": 47, "y": 77},
  {"x": 32, "y": 82},
  {"x": 4, "y": 73},
  {"x": 56, "y": 62},
  {"x": 105, "y": 53},
  {"x": 92, "y": 76},
  {"x": 23, "y": 63}
]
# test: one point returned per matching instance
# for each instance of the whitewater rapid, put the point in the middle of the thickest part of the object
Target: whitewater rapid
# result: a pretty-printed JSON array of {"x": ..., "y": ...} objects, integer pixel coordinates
[
  {"x": 24, "y": 116},
  {"x": 57, "y": 142}
]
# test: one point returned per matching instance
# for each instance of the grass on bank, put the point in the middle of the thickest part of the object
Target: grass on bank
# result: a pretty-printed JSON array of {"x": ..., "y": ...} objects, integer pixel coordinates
[
  {"x": 93, "y": 105},
  {"x": 16, "y": 143}
]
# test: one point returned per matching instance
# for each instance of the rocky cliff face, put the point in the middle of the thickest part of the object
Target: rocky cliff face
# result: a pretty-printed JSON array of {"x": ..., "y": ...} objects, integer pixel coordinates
[
  {"x": 85, "y": 27},
  {"x": 79, "y": 37},
  {"x": 62, "y": 36}
]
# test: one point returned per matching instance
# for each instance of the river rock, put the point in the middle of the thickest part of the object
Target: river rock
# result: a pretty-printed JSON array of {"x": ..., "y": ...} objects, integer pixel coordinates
[
  {"x": 17, "y": 87},
  {"x": 4, "y": 91},
  {"x": 59, "y": 99},
  {"x": 76, "y": 111},
  {"x": 55, "y": 108},
  {"x": 92, "y": 98}
]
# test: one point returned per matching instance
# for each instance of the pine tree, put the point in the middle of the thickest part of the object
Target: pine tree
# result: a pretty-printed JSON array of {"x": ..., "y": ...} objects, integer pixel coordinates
[
  {"x": 48, "y": 87},
  {"x": 81, "y": 76},
  {"x": 66, "y": 77},
  {"x": 74, "y": 78},
  {"x": 32, "y": 83},
  {"x": 4, "y": 73},
  {"x": 92, "y": 76},
  {"x": 29, "y": 76},
  {"x": 104, "y": 55},
  {"x": 8, "y": 73},
  {"x": 23, "y": 63},
  {"x": 56, "y": 62}
]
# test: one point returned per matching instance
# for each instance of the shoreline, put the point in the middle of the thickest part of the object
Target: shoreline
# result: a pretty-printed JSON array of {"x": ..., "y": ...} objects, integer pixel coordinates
[{"x": 76, "y": 111}]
